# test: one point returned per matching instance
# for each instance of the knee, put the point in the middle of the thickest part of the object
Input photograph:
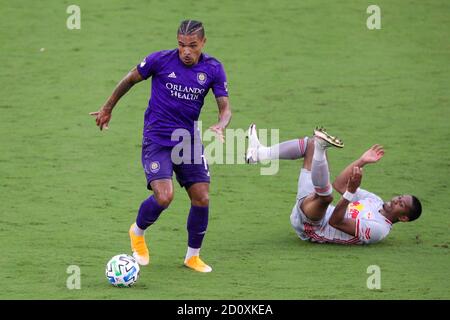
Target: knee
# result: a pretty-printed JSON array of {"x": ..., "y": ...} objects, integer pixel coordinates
[
  {"x": 310, "y": 145},
  {"x": 201, "y": 200},
  {"x": 164, "y": 198}
]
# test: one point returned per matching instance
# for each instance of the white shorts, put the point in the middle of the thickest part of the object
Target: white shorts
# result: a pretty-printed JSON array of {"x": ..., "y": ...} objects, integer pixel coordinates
[{"x": 298, "y": 217}]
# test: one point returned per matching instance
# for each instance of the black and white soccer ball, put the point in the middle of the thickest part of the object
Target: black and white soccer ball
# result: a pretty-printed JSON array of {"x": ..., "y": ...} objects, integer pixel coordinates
[{"x": 122, "y": 270}]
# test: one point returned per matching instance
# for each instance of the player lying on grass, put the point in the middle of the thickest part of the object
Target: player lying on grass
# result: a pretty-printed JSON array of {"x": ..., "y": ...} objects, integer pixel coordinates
[{"x": 360, "y": 217}]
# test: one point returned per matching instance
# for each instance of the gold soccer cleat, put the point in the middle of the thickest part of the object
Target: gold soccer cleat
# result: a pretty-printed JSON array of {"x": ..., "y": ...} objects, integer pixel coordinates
[
  {"x": 329, "y": 140},
  {"x": 197, "y": 264},
  {"x": 139, "y": 247}
]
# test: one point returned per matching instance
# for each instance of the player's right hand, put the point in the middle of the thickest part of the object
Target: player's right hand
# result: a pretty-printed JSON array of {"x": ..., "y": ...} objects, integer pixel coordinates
[
  {"x": 355, "y": 179},
  {"x": 102, "y": 118}
]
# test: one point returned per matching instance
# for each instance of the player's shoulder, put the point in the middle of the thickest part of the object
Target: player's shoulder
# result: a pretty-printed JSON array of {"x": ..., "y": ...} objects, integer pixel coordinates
[
  {"x": 381, "y": 230},
  {"x": 163, "y": 54},
  {"x": 210, "y": 60},
  {"x": 362, "y": 194},
  {"x": 372, "y": 230}
]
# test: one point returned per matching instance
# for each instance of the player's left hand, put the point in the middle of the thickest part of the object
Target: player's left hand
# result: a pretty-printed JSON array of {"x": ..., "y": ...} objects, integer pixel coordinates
[
  {"x": 375, "y": 153},
  {"x": 355, "y": 179},
  {"x": 218, "y": 129}
]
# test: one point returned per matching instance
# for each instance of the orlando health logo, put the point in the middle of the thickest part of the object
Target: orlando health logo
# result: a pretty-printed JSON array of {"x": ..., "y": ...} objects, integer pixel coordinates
[{"x": 184, "y": 92}]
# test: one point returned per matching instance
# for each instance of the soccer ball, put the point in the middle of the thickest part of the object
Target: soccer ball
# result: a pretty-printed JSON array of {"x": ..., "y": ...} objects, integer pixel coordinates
[{"x": 122, "y": 270}]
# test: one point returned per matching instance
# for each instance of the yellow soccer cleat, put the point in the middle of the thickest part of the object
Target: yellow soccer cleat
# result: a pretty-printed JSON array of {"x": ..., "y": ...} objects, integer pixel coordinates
[
  {"x": 139, "y": 247},
  {"x": 197, "y": 264}
]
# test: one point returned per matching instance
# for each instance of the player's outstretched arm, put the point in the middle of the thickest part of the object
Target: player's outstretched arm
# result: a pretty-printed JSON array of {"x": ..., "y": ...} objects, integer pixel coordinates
[
  {"x": 223, "y": 104},
  {"x": 338, "y": 219},
  {"x": 374, "y": 154},
  {"x": 103, "y": 116}
]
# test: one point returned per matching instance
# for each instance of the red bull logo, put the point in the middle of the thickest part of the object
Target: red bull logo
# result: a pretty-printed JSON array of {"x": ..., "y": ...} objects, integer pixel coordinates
[{"x": 354, "y": 208}]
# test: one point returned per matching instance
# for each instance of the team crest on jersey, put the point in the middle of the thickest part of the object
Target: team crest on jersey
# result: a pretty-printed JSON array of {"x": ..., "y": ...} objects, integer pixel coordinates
[
  {"x": 154, "y": 166},
  {"x": 201, "y": 78},
  {"x": 354, "y": 208}
]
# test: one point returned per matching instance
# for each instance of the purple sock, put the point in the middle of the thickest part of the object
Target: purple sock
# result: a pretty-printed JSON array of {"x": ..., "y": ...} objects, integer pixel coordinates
[
  {"x": 148, "y": 213},
  {"x": 196, "y": 225}
]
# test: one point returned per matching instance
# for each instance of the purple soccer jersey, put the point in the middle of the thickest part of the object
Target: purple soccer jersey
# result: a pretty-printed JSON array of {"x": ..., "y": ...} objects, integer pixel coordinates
[{"x": 178, "y": 92}]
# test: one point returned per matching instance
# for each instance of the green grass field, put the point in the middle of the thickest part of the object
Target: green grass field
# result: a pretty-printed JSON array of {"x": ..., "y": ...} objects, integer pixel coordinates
[{"x": 69, "y": 192}]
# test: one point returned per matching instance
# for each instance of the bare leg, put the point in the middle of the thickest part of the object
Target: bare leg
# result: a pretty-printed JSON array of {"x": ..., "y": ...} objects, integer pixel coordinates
[
  {"x": 315, "y": 205},
  {"x": 163, "y": 191},
  {"x": 199, "y": 194},
  {"x": 308, "y": 154}
]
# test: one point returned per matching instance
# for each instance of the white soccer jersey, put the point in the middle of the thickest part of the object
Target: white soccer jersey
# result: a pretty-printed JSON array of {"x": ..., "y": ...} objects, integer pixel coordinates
[{"x": 371, "y": 225}]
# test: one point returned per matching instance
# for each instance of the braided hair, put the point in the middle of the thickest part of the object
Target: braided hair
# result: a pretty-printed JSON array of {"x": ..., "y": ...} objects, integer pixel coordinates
[{"x": 190, "y": 27}]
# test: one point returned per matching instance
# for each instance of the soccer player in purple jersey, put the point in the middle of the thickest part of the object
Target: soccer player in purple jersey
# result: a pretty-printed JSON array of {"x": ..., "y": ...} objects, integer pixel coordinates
[{"x": 181, "y": 78}]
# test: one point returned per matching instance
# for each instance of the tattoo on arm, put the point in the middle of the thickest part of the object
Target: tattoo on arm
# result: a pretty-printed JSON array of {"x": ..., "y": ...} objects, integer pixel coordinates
[{"x": 124, "y": 85}]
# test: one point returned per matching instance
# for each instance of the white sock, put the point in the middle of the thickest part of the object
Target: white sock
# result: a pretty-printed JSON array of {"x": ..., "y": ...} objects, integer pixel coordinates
[
  {"x": 289, "y": 150},
  {"x": 264, "y": 153},
  {"x": 138, "y": 231},
  {"x": 319, "y": 151},
  {"x": 192, "y": 252}
]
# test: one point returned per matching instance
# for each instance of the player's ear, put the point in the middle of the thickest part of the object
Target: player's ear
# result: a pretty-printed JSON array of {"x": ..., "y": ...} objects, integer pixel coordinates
[
  {"x": 403, "y": 218},
  {"x": 204, "y": 40}
]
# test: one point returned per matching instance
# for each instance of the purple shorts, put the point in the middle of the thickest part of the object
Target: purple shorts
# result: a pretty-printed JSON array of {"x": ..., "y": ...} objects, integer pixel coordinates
[{"x": 160, "y": 162}]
